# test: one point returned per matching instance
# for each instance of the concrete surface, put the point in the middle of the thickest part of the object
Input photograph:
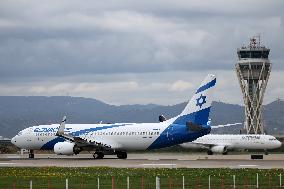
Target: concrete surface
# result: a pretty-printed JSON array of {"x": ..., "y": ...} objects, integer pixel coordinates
[{"x": 145, "y": 160}]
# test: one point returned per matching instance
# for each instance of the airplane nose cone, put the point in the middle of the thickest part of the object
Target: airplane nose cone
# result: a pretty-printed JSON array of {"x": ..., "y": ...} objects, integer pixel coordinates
[
  {"x": 279, "y": 144},
  {"x": 14, "y": 140}
]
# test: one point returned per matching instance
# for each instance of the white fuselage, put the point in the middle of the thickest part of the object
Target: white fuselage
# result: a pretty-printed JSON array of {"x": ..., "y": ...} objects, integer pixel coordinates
[
  {"x": 126, "y": 136},
  {"x": 235, "y": 141}
]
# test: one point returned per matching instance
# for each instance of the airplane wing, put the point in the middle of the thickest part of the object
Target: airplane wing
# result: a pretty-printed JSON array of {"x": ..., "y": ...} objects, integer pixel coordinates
[
  {"x": 226, "y": 125},
  {"x": 210, "y": 144},
  {"x": 81, "y": 142},
  {"x": 212, "y": 147}
]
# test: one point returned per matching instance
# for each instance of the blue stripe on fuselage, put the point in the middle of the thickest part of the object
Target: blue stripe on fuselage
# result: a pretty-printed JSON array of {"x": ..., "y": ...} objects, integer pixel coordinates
[
  {"x": 84, "y": 131},
  {"x": 177, "y": 134},
  {"x": 50, "y": 144},
  {"x": 206, "y": 86}
]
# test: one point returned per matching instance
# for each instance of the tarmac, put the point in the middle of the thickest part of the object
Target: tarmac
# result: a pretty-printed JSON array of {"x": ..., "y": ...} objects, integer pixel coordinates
[{"x": 146, "y": 160}]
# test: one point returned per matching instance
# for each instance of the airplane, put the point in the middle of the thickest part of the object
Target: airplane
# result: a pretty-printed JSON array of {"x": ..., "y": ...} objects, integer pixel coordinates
[
  {"x": 119, "y": 138},
  {"x": 221, "y": 143}
]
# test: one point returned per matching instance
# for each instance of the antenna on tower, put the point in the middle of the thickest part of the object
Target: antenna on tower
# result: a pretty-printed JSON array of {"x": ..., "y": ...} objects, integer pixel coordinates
[
  {"x": 258, "y": 35},
  {"x": 255, "y": 41}
]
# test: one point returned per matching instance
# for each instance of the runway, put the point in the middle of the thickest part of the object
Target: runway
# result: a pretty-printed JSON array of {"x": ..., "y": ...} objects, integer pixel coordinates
[{"x": 146, "y": 160}]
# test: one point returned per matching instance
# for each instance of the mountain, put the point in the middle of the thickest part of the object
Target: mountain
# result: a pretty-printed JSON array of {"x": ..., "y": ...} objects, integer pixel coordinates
[
  {"x": 274, "y": 117},
  {"x": 18, "y": 112}
]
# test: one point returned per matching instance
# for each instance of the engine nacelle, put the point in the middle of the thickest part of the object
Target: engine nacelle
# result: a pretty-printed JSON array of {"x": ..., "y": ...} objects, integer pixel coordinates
[
  {"x": 219, "y": 149},
  {"x": 66, "y": 148}
]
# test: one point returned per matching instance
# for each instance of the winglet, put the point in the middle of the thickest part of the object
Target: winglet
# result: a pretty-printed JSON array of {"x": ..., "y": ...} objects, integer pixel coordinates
[
  {"x": 61, "y": 133},
  {"x": 61, "y": 127}
]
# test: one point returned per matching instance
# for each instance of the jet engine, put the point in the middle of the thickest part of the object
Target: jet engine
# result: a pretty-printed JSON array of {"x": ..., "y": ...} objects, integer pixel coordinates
[
  {"x": 66, "y": 148},
  {"x": 219, "y": 149}
]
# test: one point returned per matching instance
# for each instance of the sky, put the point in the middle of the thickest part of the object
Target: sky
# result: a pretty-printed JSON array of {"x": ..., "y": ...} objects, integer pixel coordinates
[{"x": 133, "y": 51}]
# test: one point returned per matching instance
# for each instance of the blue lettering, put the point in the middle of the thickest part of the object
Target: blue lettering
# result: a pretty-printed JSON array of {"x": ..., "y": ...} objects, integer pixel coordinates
[
  {"x": 37, "y": 130},
  {"x": 40, "y": 130}
]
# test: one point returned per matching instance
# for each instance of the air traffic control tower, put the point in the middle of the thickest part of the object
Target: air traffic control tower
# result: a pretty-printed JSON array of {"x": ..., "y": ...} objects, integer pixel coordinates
[{"x": 253, "y": 69}]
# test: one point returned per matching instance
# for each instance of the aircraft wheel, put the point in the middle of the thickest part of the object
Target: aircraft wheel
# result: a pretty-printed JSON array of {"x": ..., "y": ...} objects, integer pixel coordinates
[
  {"x": 31, "y": 154},
  {"x": 98, "y": 155},
  {"x": 209, "y": 152},
  {"x": 266, "y": 152},
  {"x": 121, "y": 155},
  {"x": 225, "y": 153}
]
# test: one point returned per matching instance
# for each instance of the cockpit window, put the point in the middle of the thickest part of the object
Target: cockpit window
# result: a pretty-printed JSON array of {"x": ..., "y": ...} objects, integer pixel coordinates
[{"x": 20, "y": 133}]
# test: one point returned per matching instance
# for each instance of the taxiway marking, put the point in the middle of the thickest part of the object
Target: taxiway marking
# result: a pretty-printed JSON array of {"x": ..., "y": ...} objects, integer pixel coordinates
[
  {"x": 248, "y": 165},
  {"x": 161, "y": 164},
  {"x": 6, "y": 163}
]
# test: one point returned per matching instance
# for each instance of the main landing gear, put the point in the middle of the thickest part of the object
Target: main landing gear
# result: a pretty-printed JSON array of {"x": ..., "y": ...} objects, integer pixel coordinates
[
  {"x": 31, "y": 154},
  {"x": 98, "y": 155},
  {"x": 121, "y": 155},
  {"x": 209, "y": 152},
  {"x": 225, "y": 153}
]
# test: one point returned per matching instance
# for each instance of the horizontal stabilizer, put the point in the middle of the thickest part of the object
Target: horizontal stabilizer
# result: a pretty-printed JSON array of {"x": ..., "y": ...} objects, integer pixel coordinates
[{"x": 226, "y": 125}]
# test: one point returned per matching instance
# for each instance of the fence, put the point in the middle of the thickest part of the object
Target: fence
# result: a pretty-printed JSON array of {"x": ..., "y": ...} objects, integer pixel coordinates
[{"x": 144, "y": 182}]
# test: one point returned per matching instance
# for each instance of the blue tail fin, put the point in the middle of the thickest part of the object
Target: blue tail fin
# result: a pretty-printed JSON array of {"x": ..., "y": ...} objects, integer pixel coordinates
[{"x": 198, "y": 108}]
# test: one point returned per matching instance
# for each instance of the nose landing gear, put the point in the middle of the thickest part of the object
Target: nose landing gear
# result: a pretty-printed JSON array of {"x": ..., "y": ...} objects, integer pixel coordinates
[{"x": 31, "y": 154}]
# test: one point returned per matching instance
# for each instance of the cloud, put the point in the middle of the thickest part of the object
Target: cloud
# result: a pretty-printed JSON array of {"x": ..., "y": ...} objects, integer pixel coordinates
[
  {"x": 51, "y": 47},
  {"x": 77, "y": 89},
  {"x": 144, "y": 88},
  {"x": 180, "y": 86}
]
